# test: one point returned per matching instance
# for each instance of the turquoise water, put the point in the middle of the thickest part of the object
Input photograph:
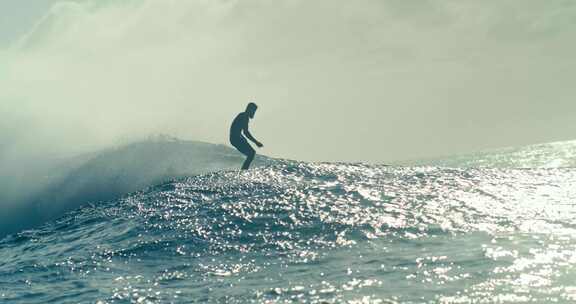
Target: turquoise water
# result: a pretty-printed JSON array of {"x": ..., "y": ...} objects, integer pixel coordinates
[{"x": 295, "y": 232}]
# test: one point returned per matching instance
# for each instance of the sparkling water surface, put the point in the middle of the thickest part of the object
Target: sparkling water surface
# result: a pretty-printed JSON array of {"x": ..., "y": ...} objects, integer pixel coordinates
[{"x": 311, "y": 233}]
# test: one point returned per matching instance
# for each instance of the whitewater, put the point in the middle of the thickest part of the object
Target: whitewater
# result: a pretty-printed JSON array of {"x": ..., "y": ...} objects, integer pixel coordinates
[{"x": 180, "y": 225}]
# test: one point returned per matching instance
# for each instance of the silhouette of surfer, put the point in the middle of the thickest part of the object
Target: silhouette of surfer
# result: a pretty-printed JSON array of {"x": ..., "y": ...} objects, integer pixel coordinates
[{"x": 239, "y": 126}]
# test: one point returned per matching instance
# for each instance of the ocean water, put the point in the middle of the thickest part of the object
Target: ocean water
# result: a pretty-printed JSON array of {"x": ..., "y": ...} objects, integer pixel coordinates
[{"x": 296, "y": 232}]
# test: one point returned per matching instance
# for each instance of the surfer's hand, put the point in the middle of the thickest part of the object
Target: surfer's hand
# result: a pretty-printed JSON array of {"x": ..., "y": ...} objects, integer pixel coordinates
[{"x": 259, "y": 144}]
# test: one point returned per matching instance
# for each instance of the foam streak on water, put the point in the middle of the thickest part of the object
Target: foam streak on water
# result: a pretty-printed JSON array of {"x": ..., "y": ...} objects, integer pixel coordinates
[{"x": 311, "y": 233}]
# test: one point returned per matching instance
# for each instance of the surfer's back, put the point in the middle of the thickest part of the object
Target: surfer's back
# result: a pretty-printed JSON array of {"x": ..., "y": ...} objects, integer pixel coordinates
[{"x": 238, "y": 124}]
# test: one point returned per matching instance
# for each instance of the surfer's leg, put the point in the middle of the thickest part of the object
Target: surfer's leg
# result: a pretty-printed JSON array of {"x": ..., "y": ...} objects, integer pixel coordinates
[
  {"x": 244, "y": 147},
  {"x": 249, "y": 159}
]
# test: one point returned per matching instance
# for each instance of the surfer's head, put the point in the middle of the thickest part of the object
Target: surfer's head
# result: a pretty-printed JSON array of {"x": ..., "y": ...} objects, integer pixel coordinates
[{"x": 251, "y": 109}]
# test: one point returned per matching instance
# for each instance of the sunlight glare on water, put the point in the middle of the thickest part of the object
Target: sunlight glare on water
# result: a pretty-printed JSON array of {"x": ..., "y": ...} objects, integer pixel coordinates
[{"x": 311, "y": 233}]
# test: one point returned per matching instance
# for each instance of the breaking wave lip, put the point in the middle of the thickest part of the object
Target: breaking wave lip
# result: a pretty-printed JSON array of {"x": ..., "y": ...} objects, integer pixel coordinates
[{"x": 111, "y": 174}]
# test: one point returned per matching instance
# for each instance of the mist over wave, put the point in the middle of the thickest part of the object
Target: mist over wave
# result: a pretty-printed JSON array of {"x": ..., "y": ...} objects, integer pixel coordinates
[{"x": 91, "y": 73}]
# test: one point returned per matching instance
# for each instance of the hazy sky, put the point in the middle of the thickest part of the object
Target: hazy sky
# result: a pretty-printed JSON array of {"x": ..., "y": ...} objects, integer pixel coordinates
[{"x": 362, "y": 80}]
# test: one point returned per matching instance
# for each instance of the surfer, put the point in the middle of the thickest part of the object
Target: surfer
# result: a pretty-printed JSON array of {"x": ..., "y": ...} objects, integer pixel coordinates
[{"x": 239, "y": 126}]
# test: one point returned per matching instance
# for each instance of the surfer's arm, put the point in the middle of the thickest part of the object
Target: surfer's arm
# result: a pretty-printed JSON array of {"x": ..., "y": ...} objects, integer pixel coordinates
[{"x": 250, "y": 137}]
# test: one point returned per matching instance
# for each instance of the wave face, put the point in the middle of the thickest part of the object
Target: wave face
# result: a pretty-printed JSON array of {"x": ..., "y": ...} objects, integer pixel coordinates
[{"x": 310, "y": 233}]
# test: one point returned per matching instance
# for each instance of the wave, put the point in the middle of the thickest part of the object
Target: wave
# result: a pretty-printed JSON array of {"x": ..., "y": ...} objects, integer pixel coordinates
[
  {"x": 166, "y": 221},
  {"x": 228, "y": 230},
  {"x": 50, "y": 191},
  {"x": 296, "y": 231}
]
